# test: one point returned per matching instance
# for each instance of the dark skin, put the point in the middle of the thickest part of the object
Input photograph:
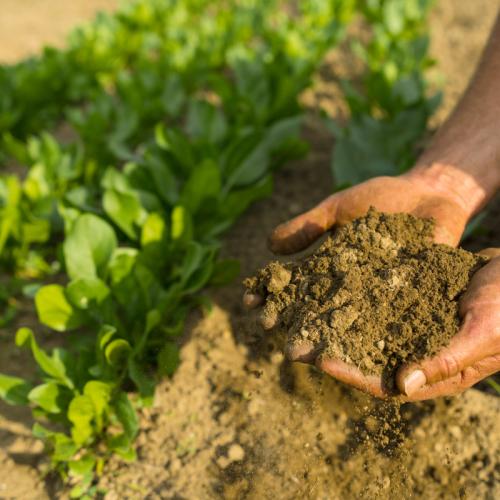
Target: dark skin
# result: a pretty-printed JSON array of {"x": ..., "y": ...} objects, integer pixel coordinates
[{"x": 451, "y": 182}]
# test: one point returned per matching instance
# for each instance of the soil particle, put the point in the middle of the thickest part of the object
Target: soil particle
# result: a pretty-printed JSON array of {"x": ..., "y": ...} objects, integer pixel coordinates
[{"x": 377, "y": 293}]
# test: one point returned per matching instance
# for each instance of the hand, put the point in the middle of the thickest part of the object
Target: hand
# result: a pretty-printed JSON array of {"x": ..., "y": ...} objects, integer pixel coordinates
[
  {"x": 474, "y": 353},
  {"x": 406, "y": 193},
  {"x": 389, "y": 194}
]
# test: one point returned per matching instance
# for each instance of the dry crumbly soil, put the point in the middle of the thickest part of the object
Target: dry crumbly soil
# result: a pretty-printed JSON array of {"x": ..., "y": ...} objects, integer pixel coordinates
[
  {"x": 376, "y": 294},
  {"x": 237, "y": 420}
]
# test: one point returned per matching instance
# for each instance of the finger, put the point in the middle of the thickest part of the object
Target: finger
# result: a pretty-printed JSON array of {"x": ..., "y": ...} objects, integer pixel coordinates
[
  {"x": 490, "y": 252},
  {"x": 252, "y": 300},
  {"x": 471, "y": 344},
  {"x": 351, "y": 375},
  {"x": 483, "y": 290},
  {"x": 305, "y": 352},
  {"x": 459, "y": 382},
  {"x": 302, "y": 230}
]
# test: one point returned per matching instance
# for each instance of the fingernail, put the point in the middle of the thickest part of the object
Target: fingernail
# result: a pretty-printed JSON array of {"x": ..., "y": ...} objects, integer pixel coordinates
[{"x": 414, "y": 381}]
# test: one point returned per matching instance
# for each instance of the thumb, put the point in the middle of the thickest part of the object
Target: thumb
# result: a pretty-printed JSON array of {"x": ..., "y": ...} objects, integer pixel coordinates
[
  {"x": 351, "y": 375},
  {"x": 301, "y": 231},
  {"x": 490, "y": 252},
  {"x": 467, "y": 347}
]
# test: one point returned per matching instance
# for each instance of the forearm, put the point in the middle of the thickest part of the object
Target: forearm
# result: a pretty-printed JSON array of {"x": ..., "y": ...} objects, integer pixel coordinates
[{"x": 464, "y": 157}]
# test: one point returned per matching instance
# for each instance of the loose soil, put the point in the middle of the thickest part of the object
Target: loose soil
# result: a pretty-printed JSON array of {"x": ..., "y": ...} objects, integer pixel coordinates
[
  {"x": 239, "y": 421},
  {"x": 376, "y": 294}
]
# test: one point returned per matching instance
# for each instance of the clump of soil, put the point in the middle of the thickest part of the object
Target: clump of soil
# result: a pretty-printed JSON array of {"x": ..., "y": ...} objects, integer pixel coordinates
[{"x": 376, "y": 294}]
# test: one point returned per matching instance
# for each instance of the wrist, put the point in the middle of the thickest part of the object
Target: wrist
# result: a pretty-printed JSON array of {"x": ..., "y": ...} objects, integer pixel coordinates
[{"x": 465, "y": 190}]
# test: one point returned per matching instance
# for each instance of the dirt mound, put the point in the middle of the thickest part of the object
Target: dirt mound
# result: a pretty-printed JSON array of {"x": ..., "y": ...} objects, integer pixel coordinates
[{"x": 376, "y": 294}]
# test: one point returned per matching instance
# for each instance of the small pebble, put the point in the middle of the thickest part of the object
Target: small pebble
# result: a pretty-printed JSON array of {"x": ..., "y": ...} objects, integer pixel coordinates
[
  {"x": 175, "y": 465},
  {"x": 371, "y": 423},
  {"x": 368, "y": 362},
  {"x": 236, "y": 453}
]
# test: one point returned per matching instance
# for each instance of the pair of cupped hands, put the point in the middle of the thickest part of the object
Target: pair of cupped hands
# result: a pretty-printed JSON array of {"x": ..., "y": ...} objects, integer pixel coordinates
[{"x": 473, "y": 353}]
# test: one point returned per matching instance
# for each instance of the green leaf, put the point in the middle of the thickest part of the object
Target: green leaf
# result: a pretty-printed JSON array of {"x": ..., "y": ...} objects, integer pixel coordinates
[
  {"x": 81, "y": 412},
  {"x": 177, "y": 144},
  {"x": 224, "y": 272},
  {"x": 82, "y": 466},
  {"x": 100, "y": 394},
  {"x": 153, "y": 319},
  {"x": 164, "y": 179},
  {"x": 142, "y": 380},
  {"x": 192, "y": 261},
  {"x": 252, "y": 168},
  {"x": 122, "y": 445},
  {"x": 14, "y": 390},
  {"x": 54, "y": 309},
  {"x": 205, "y": 121},
  {"x": 121, "y": 264},
  {"x": 10, "y": 209},
  {"x": 125, "y": 210},
  {"x": 30, "y": 289},
  {"x": 160, "y": 137},
  {"x": 89, "y": 247},
  {"x": 51, "y": 365},
  {"x": 81, "y": 489},
  {"x": 255, "y": 164},
  {"x": 64, "y": 448},
  {"x": 493, "y": 384},
  {"x": 153, "y": 230},
  {"x": 168, "y": 359},
  {"x": 237, "y": 201},
  {"x": 117, "y": 351},
  {"x": 174, "y": 95},
  {"x": 69, "y": 216},
  {"x": 81, "y": 292},
  {"x": 15, "y": 148},
  {"x": 203, "y": 183},
  {"x": 126, "y": 415},
  {"x": 200, "y": 277},
  {"x": 181, "y": 224},
  {"x": 40, "y": 432},
  {"x": 35, "y": 231},
  {"x": 106, "y": 333},
  {"x": 393, "y": 16},
  {"x": 48, "y": 397},
  {"x": 283, "y": 130}
]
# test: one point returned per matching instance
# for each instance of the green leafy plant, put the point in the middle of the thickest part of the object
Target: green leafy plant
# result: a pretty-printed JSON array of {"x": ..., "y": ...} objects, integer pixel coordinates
[
  {"x": 179, "y": 113},
  {"x": 389, "y": 103}
]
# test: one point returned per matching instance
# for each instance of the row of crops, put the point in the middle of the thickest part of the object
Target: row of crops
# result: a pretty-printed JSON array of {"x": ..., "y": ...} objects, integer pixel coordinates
[{"x": 127, "y": 155}]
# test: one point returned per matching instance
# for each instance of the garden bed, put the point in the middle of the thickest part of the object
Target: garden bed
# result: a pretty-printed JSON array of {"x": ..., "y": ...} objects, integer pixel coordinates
[{"x": 239, "y": 421}]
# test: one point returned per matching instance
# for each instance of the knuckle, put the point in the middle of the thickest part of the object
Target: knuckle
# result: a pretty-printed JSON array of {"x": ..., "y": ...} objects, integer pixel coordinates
[
  {"x": 469, "y": 376},
  {"x": 448, "y": 366}
]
